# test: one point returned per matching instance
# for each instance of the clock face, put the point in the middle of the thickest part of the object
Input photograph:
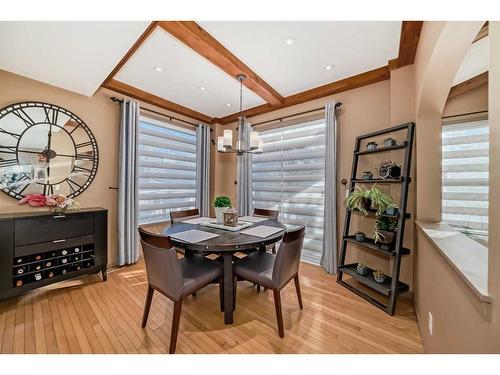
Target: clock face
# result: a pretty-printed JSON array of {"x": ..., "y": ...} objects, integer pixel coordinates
[{"x": 45, "y": 149}]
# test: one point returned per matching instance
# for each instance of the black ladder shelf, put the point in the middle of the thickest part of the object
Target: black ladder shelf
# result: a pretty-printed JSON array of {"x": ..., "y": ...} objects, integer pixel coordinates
[{"x": 391, "y": 287}]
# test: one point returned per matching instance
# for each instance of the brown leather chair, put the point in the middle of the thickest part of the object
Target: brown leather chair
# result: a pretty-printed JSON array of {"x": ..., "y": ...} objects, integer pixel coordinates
[
  {"x": 275, "y": 271},
  {"x": 177, "y": 216},
  {"x": 175, "y": 278},
  {"x": 263, "y": 212},
  {"x": 271, "y": 214}
]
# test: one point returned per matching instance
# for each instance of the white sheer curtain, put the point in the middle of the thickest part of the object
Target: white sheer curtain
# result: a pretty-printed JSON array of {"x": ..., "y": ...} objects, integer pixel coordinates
[
  {"x": 203, "y": 169},
  {"x": 329, "y": 258}
]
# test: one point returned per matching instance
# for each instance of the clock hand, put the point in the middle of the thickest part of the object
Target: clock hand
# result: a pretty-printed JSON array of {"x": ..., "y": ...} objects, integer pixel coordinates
[{"x": 48, "y": 150}]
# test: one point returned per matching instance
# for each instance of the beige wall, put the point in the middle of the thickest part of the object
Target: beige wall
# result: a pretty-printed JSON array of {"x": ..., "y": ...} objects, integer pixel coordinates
[
  {"x": 475, "y": 100},
  {"x": 461, "y": 322}
]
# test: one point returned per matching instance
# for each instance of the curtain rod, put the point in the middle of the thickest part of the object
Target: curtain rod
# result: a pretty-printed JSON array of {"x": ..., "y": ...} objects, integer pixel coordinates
[
  {"x": 115, "y": 99},
  {"x": 338, "y": 104},
  {"x": 465, "y": 114}
]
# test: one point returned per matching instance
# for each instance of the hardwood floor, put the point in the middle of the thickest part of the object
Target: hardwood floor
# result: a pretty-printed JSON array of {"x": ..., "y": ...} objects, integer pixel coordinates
[{"x": 91, "y": 316}]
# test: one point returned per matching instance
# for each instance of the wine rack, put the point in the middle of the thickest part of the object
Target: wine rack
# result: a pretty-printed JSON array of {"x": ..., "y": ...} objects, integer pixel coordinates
[
  {"x": 38, "y": 248},
  {"x": 46, "y": 265}
]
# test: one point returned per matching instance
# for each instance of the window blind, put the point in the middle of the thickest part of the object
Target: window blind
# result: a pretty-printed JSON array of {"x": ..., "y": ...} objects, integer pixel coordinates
[
  {"x": 465, "y": 163},
  {"x": 289, "y": 176},
  {"x": 166, "y": 170}
]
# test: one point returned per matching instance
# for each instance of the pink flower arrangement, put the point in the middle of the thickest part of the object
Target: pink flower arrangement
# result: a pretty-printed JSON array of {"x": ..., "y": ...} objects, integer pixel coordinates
[{"x": 55, "y": 202}]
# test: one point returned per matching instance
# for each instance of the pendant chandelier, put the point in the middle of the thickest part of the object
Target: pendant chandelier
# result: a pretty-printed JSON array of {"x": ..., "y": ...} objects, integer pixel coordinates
[{"x": 225, "y": 143}]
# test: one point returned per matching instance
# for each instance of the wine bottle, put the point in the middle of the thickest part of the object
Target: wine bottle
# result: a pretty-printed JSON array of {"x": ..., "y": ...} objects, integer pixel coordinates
[
  {"x": 77, "y": 258},
  {"x": 20, "y": 270},
  {"x": 77, "y": 267},
  {"x": 19, "y": 282},
  {"x": 64, "y": 260},
  {"x": 64, "y": 252},
  {"x": 38, "y": 257},
  {"x": 51, "y": 274},
  {"x": 38, "y": 276},
  {"x": 38, "y": 267},
  {"x": 19, "y": 260},
  {"x": 77, "y": 250},
  {"x": 63, "y": 271},
  {"x": 48, "y": 264},
  {"x": 53, "y": 254}
]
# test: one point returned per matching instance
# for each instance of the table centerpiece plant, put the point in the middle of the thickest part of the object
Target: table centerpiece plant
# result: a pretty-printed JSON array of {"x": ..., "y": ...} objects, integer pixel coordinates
[{"x": 221, "y": 204}]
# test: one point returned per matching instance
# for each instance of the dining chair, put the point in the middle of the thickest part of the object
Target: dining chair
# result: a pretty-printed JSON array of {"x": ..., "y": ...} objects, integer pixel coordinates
[
  {"x": 175, "y": 278},
  {"x": 178, "y": 216},
  {"x": 275, "y": 271}
]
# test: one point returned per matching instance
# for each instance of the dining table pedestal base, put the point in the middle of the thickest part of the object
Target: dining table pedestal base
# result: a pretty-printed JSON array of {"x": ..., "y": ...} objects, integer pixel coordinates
[{"x": 228, "y": 288}]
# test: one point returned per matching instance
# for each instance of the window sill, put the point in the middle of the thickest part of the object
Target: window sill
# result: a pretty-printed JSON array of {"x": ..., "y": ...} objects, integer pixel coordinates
[{"x": 466, "y": 256}]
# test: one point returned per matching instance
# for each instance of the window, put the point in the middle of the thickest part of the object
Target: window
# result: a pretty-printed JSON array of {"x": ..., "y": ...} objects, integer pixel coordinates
[
  {"x": 465, "y": 153},
  {"x": 167, "y": 169},
  {"x": 290, "y": 175}
]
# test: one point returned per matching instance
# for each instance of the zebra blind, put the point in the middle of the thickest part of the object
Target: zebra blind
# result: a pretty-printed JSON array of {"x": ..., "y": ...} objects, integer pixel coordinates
[
  {"x": 465, "y": 160},
  {"x": 290, "y": 176},
  {"x": 166, "y": 171}
]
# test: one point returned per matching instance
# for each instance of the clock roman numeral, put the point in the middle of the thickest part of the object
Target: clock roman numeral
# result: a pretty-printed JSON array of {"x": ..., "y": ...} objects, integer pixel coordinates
[
  {"x": 8, "y": 163},
  {"x": 84, "y": 144},
  {"x": 72, "y": 185},
  {"x": 7, "y": 150},
  {"x": 51, "y": 115},
  {"x": 85, "y": 157},
  {"x": 14, "y": 135},
  {"x": 19, "y": 185},
  {"x": 81, "y": 170},
  {"x": 28, "y": 121}
]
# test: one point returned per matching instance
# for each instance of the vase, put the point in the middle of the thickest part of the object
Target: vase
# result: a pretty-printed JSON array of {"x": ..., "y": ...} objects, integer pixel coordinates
[
  {"x": 219, "y": 214},
  {"x": 57, "y": 210}
]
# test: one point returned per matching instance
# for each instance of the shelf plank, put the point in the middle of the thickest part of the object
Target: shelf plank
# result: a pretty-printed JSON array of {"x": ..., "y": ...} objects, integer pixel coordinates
[
  {"x": 368, "y": 280},
  {"x": 379, "y": 180},
  {"x": 382, "y": 149},
  {"x": 370, "y": 244},
  {"x": 374, "y": 214}
]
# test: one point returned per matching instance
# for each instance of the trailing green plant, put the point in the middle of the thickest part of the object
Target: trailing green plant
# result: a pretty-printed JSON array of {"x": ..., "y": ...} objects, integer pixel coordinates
[
  {"x": 356, "y": 200},
  {"x": 379, "y": 200},
  {"x": 386, "y": 224},
  {"x": 222, "y": 201}
]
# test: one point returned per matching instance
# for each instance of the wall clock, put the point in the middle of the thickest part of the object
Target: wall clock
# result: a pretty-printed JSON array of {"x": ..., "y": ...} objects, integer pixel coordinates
[{"x": 45, "y": 149}]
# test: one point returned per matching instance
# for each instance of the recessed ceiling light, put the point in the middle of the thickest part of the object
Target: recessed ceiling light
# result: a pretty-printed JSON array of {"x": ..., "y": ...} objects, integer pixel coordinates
[
  {"x": 158, "y": 69},
  {"x": 290, "y": 40},
  {"x": 329, "y": 67},
  {"x": 228, "y": 104},
  {"x": 202, "y": 88}
]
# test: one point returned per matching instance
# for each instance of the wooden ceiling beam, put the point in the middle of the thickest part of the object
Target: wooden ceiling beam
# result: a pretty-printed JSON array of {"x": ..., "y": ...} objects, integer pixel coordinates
[
  {"x": 470, "y": 84},
  {"x": 146, "y": 97},
  {"x": 132, "y": 50},
  {"x": 363, "y": 79},
  {"x": 199, "y": 40},
  {"x": 408, "y": 42}
]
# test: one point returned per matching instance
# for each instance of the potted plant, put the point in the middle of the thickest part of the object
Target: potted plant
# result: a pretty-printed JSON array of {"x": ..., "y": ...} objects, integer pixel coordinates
[
  {"x": 360, "y": 236},
  {"x": 388, "y": 169},
  {"x": 367, "y": 175},
  {"x": 389, "y": 142},
  {"x": 361, "y": 269},
  {"x": 221, "y": 204},
  {"x": 385, "y": 231},
  {"x": 379, "y": 276},
  {"x": 358, "y": 200},
  {"x": 379, "y": 200}
]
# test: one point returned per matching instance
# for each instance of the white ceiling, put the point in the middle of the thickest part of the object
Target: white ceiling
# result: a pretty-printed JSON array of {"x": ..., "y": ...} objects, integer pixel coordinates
[
  {"x": 184, "y": 71},
  {"x": 353, "y": 47},
  {"x": 77, "y": 56},
  {"x": 476, "y": 61}
]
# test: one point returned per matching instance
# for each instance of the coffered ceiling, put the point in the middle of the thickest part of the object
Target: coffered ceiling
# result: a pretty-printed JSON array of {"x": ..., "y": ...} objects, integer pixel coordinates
[{"x": 190, "y": 67}]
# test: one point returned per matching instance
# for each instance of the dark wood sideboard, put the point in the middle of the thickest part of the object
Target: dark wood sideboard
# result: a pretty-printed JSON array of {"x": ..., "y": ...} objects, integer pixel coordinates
[{"x": 40, "y": 248}]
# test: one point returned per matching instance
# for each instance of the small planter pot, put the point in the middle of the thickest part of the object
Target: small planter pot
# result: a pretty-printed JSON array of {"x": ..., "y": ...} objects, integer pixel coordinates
[
  {"x": 393, "y": 211},
  {"x": 219, "y": 214},
  {"x": 371, "y": 145},
  {"x": 389, "y": 142},
  {"x": 379, "y": 277},
  {"x": 361, "y": 269},
  {"x": 360, "y": 236},
  {"x": 389, "y": 171},
  {"x": 367, "y": 175},
  {"x": 387, "y": 241}
]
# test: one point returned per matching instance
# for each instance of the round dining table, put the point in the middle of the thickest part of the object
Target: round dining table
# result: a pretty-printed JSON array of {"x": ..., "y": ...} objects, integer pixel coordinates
[{"x": 227, "y": 243}]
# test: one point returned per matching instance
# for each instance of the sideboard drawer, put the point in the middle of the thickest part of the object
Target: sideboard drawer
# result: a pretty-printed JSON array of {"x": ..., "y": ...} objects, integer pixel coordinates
[{"x": 44, "y": 229}]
